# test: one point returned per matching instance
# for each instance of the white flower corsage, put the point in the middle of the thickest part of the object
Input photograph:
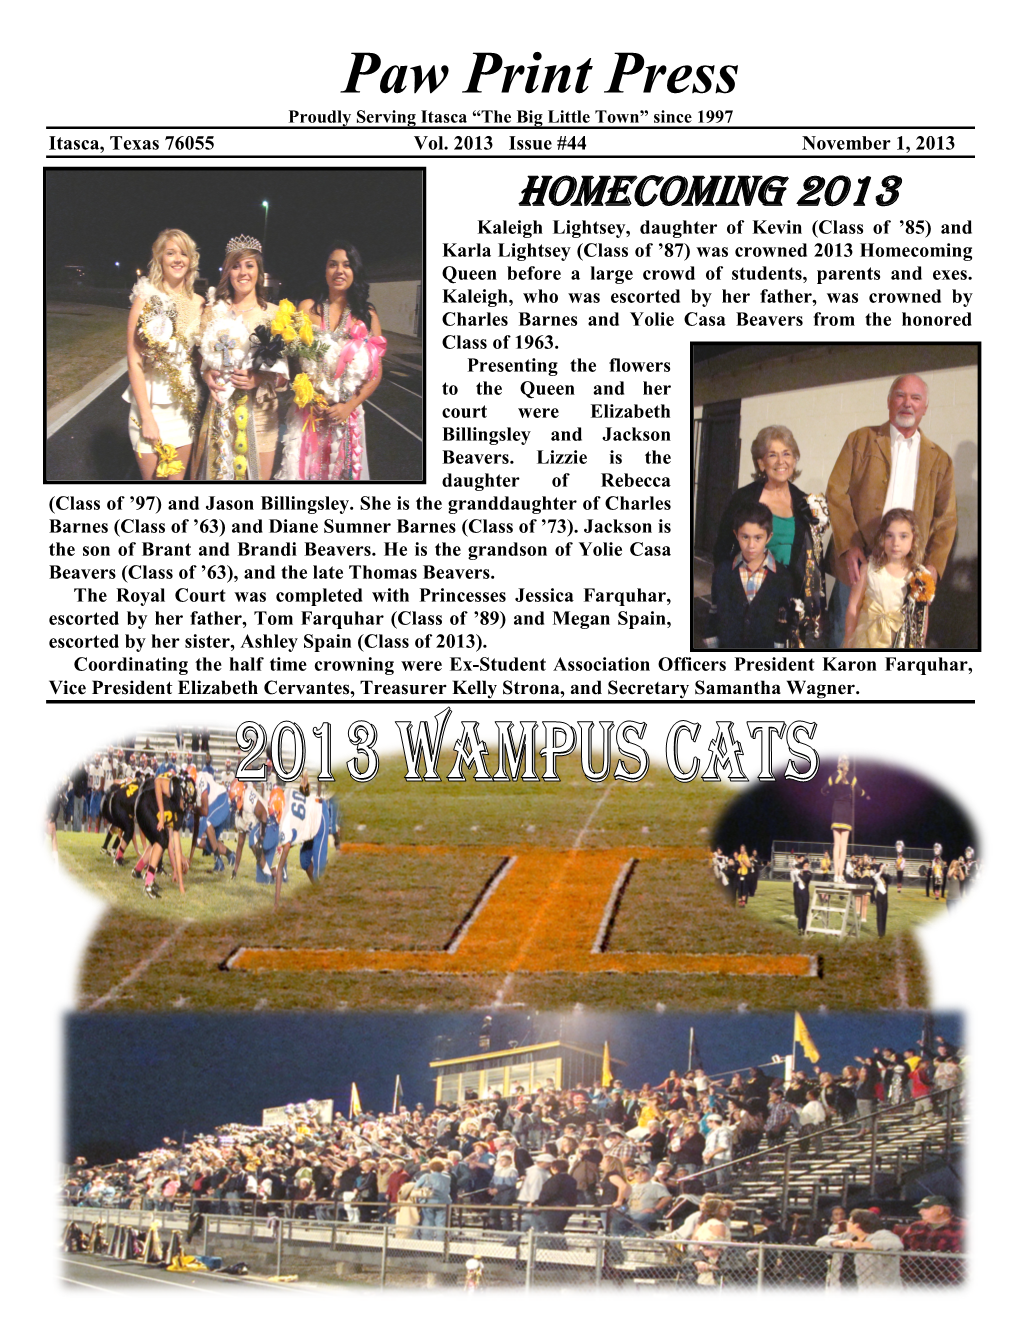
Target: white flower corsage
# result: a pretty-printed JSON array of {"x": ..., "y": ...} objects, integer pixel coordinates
[
  {"x": 819, "y": 507},
  {"x": 159, "y": 327},
  {"x": 225, "y": 338}
]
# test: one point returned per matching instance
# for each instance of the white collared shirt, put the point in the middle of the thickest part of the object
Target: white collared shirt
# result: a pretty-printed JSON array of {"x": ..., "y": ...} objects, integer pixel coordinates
[{"x": 902, "y": 486}]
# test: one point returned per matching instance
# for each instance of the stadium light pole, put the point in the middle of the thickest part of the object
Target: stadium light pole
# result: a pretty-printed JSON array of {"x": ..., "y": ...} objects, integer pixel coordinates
[{"x": 265, "y": 226}]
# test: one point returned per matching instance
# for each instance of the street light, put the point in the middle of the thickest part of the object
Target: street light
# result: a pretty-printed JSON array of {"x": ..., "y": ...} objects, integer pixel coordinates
[{"x": 265, "y": 227}]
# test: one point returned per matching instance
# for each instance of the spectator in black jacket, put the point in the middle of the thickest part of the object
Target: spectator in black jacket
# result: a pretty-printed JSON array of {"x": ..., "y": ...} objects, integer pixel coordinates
[
  {"x": 559, "y": 1190},
  {"x": 80, "y": 785},
  {"x": 687, "y": 1152},
  {"x": 347, "y": 1185},
  {"x": 653, "y": 1146},
  {"x": 866, "y": 1092},
  {"x": 616, "y": 1111}
]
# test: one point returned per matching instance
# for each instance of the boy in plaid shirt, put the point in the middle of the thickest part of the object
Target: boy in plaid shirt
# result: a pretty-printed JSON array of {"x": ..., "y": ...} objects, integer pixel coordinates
[{"x": 751, "y": 591}]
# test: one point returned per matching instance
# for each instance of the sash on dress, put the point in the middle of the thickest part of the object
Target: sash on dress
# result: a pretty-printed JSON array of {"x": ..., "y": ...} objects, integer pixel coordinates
[
  {"x": 876, "y": 628},
  {"x": 317, "y": 443}
]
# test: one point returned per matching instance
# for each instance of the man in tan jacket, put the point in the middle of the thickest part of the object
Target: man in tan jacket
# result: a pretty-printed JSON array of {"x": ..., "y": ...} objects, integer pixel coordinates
[{"x": 890, "y": 466}]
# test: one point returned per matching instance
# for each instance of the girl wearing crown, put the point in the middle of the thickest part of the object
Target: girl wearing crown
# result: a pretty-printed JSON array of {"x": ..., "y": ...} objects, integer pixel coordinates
[
  {"x": 162, "y": 387},
  {"x": 242, "y": 363},
  {"x": 340, "y": 347}
]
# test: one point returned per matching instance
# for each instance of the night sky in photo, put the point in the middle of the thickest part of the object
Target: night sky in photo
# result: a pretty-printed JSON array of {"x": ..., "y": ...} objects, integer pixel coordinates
[
  {"x": 96, "y": 217},
  {"x": 900, "y": 805},
  {"x": 133, "y": 1080}
]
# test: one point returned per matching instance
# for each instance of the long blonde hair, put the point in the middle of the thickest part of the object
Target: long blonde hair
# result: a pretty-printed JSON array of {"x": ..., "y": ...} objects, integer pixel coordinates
[{"x": 159, "y": 247}]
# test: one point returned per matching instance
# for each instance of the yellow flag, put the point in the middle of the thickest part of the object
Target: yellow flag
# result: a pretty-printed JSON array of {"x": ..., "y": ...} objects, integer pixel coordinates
[
  {"x": 607, "y": 1066},
  {"x": 803, "y": 1038},
  {"x": 355, "y": 1101}
]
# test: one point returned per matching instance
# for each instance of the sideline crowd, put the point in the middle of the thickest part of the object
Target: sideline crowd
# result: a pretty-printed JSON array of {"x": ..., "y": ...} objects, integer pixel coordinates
[{"x": 654, "y": 1160}]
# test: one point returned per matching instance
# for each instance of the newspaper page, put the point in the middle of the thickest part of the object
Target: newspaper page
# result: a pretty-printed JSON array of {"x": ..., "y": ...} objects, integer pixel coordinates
[{"x": 617, "y": 704}]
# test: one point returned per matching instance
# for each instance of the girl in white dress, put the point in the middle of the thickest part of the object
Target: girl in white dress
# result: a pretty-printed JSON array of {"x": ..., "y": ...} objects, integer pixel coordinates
[
  {"x": 243, "y": 366},
  {"x": 877, "y": 617},
  {"x": 163, "y": 387}
]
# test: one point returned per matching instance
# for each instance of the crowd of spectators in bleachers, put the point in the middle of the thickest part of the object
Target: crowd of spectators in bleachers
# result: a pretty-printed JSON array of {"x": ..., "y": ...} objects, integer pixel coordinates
[{"x": 658, "y": 1159}]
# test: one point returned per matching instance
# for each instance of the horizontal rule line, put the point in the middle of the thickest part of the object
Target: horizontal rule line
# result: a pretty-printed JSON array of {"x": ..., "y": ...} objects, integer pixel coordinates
[
  {"x": 513, "y": 701},
  {"x": 465, "y": 155},
  {"x": 616, "y": 128}
]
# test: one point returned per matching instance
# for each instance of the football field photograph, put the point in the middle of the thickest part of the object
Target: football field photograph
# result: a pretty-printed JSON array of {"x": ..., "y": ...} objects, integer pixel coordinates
[{"x": 464, "y": 895}]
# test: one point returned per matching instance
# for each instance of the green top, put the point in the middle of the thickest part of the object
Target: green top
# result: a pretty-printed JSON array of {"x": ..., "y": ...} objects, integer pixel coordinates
[{"x": 781, "y": 545}]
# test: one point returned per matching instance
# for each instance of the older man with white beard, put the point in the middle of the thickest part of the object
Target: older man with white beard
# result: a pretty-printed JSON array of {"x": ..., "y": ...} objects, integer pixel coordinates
[{"x": 892, "y": 466}]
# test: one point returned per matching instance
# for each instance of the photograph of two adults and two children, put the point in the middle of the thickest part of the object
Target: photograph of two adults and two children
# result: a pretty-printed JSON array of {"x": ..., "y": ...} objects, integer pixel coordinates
[{"x": 835, "y": 496}]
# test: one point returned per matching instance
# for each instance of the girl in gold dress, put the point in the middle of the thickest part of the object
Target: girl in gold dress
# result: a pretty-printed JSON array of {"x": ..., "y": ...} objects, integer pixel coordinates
[{"x": 877, "y": 615}]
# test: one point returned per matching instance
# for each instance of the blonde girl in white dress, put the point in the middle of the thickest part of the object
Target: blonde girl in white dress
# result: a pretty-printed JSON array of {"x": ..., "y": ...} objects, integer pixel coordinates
[{"x": 162, "y": 384}]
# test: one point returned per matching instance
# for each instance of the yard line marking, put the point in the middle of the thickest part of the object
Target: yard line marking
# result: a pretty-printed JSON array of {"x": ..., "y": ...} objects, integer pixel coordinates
[
  {"x": 594, "y": 812},
  {"x": 553, "y": 891},
  {"x": 140, "y": 968},
  {"x": 390, "y": 381},
  {"x": 613, "y": 902},
  {"x": 902, "y": 993},
  {"x": 570, "y": 893},
  {"x": 370, "y": 404},
  {"x": 491, "y": 885},
  {"x": 410, "y": 364}
]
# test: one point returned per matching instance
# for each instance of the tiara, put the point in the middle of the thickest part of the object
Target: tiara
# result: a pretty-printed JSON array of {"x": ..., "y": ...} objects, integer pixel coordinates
[{"x": 243, "y": 243}]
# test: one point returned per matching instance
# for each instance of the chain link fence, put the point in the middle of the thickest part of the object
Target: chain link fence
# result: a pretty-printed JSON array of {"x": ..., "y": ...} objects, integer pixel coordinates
[
  {"x": 434, "y": 1245},
  {"x": 444, "y": 1254}
]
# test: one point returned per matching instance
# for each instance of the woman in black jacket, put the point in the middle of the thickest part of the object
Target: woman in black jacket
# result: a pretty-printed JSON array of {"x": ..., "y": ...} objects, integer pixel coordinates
[{"x": 798, "y": 521}]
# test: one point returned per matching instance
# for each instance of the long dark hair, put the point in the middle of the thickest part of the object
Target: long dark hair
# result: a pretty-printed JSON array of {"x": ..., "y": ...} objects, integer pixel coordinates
[{"x": 357, "y": 294}]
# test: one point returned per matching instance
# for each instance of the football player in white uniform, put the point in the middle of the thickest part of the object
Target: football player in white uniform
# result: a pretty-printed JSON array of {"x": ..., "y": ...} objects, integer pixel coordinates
[
  {"x": 305, "y": 822},
  {"x": 212, "y": 811},
  {"x": 95, "y": 801},
  {"x": 252, "y": 819}
]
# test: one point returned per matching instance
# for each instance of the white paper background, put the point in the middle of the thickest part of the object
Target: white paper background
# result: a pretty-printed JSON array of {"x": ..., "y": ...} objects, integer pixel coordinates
[{"x": 867, "y": 65}]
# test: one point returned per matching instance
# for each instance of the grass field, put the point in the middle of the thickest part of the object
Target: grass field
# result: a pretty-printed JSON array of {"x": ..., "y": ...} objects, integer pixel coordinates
[
  {"x": 208, "y": 896},
  {"x": 417, "y": 857},
  {"x": 81, "y": 341},
  {"x": 773, "y": 905}
]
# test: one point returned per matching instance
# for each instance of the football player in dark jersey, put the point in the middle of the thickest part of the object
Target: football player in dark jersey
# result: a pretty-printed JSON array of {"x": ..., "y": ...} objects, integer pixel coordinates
[
  {"x": 118, "y": 811},
  {"x": 162, "y": 803}
]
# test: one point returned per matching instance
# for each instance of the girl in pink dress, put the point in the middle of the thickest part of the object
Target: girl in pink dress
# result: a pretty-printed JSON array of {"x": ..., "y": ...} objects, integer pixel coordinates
[{"x": 325, "y": 435}]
